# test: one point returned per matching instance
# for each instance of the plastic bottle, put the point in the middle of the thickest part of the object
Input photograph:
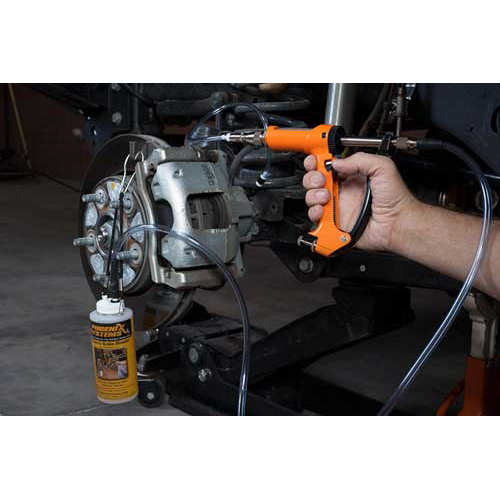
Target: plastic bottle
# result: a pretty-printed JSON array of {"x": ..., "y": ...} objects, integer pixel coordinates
[{"x": 113, "y": 351}]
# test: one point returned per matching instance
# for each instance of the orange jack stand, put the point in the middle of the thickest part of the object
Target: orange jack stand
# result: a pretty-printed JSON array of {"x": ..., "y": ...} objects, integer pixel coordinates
[
  {"x": 482, "y": 387},
  {"x": 482, "y": 375}
]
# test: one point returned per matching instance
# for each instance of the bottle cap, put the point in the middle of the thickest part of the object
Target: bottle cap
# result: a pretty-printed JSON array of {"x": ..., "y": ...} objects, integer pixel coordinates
[{"x": 108, "y": 305}]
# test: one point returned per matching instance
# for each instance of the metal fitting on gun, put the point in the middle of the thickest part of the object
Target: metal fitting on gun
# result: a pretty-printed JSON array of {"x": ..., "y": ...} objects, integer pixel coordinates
[
  {"x": 254, "y": 137},
  {"x": 403, "y": 143}
]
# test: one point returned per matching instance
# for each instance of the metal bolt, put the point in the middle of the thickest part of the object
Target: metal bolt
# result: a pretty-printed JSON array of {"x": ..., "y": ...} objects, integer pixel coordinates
[
  {"x": 84, "y": 242},
  {"x": 116, "y": 118},
  {"x": 150, "y": 395},
  {"x": 362, "y": 268},
  {"x": 306, "y": 265},
  {"x": 193, "y": 355},
  {"x": 116, "y": 87},
  {"x": 343, "y": 239},
  {"x": 151, "y": 334},
  {"x": 77, "y": 133},
  {"x": 204, "y": 374}
]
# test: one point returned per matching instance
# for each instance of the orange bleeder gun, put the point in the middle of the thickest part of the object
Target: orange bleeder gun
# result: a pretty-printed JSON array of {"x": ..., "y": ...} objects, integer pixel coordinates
[{"x": 325, "y": 143}]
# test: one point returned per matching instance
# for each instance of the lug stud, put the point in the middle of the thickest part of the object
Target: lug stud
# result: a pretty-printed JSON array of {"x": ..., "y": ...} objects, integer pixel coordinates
[
  {"x": 88, "y": 241},
  {"x": 98, "y": 197},
  {"x": 128, "y": 255}
]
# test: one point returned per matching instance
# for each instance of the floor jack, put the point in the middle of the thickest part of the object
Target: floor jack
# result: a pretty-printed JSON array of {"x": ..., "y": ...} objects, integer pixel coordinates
[{"x": 198, "y": 362}]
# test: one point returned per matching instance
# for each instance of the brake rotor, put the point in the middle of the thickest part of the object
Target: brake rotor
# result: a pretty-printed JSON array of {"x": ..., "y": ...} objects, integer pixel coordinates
[{"x": 153, "y": 304}]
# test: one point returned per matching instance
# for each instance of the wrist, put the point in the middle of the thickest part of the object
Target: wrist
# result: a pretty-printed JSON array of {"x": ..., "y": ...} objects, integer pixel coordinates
[{"x": 405, "y": 225}]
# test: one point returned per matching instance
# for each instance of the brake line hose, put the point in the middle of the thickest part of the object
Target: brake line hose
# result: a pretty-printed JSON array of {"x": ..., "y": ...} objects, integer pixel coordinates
[
  {"x": 431, "y": 144},
  {"x": 212, "y": 256},
  {"x": 235, "y": 167}
]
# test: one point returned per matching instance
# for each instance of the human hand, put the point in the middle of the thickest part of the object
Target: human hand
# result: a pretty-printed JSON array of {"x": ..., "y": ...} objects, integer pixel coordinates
[{"x": 392, "y": 202}]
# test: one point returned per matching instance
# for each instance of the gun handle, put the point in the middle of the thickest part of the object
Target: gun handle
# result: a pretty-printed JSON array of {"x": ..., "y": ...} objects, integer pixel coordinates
[{"x": 329, "y": 238}]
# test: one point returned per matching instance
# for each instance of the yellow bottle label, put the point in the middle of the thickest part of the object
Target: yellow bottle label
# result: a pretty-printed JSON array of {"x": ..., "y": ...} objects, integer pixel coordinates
[{"x": 115, "y": 364}]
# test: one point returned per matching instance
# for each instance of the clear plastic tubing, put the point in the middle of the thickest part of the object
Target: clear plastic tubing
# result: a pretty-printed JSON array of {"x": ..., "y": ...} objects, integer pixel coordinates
[
  {"x": 212, "y": 138},
  {"x": 189, "y": 138},
  {"x": 213, "y": 257},
  {"x": 469, "y": 281},
  {"x": 215, "y": 112}
]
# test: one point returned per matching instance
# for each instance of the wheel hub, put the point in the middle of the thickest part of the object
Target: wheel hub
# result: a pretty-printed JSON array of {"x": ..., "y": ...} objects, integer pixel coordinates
[{"x": 99, "y": 219}]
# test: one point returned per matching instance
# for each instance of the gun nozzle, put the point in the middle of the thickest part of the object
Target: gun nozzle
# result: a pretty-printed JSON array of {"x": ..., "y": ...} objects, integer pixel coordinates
[{"x": 255, "y": 137}]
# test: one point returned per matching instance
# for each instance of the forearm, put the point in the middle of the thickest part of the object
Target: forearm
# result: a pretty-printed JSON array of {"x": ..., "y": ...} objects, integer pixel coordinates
[{"x": 446, "y": 242}]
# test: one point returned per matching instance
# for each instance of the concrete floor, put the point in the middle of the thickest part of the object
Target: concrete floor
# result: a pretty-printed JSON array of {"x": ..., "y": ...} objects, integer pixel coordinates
[{"x": 45, "y": 358}]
